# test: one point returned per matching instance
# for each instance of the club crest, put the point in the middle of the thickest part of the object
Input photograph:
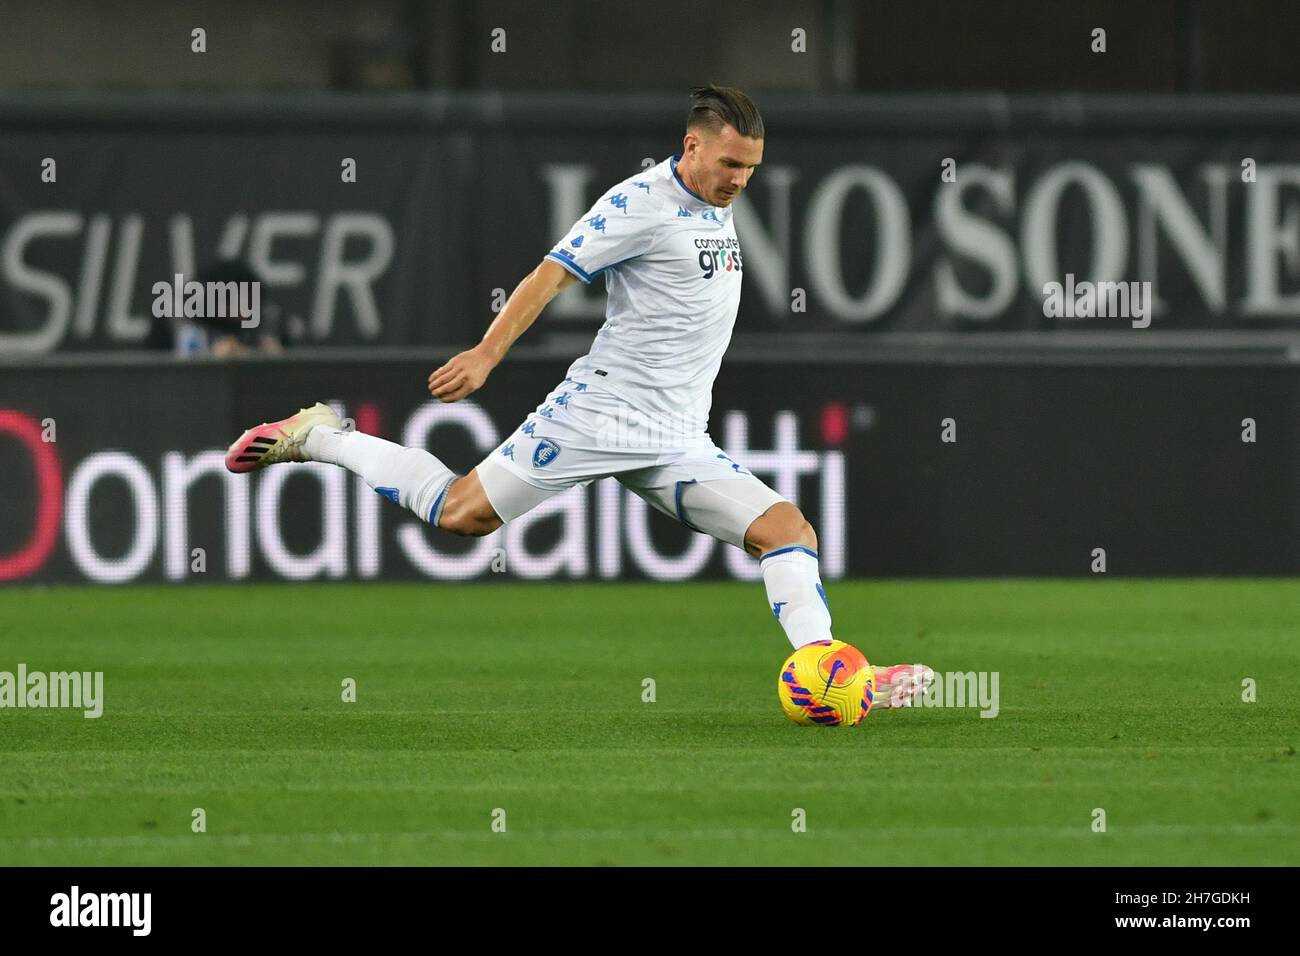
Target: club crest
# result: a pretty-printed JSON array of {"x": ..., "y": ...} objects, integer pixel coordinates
[{"x": 545, "y": 453}]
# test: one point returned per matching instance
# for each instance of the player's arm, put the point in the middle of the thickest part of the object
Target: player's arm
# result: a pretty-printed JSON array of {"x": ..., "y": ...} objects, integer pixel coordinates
[{"x": 466, "y": 373}]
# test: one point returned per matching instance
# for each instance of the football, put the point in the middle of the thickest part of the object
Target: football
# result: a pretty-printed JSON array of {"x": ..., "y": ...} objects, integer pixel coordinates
[{"x": 828, "y": 683}]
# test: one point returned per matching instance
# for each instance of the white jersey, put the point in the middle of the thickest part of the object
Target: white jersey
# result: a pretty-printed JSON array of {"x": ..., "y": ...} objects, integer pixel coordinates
[{"x": 672, "y": 268}]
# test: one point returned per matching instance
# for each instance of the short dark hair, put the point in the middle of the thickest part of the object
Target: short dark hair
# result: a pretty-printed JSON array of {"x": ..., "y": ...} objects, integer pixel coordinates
[{"x": 716, "y": 106}]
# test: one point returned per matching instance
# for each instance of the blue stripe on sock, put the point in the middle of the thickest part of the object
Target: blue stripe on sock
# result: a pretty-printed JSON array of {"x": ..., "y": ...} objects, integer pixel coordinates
[
  {"x": 435, "y": 513},
  {"x": 793, "y": 547}
]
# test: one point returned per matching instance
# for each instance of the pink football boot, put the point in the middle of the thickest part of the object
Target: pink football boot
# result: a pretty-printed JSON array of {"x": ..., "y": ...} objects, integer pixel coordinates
[
  {"x": 901, "y": 684},
  {"x": 273, "y": 442}
]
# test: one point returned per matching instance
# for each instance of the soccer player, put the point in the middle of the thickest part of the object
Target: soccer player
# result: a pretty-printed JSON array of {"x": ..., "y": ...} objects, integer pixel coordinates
[{"x": 636, "y": 406}]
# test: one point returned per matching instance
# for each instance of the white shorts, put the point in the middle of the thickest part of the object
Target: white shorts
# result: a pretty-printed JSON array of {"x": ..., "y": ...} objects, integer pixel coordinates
[{"x": 583, "y": 432}]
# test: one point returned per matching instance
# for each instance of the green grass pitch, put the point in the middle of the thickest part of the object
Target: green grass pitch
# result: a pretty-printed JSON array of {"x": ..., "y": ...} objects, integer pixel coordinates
[{"x": 1124, "y": 695}]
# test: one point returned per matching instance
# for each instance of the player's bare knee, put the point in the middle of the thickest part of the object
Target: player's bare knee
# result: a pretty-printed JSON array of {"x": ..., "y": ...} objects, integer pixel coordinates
[
  {"x": 487, "y": 524},
  {"x": 801, "y": 532},
  {"x": 461, "y": 519},
  {"x": 780, "y": 526},
  {"x": 462, "y": 515}
]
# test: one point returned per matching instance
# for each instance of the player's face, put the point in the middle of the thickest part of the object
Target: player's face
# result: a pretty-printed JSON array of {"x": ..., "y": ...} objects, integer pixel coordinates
[{"x": 723, "y": 162}]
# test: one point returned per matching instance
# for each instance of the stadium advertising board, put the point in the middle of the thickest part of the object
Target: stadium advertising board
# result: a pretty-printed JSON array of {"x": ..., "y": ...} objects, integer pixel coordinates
[
  {"x": 861, "y": 226},
  {"x": 902, "y": 469}
]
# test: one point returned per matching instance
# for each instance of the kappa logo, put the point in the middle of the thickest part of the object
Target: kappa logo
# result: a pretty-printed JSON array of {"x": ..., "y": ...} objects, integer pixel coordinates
[
  {"x": 736, "y": 468},
  {"x": 545, "y": 453}
]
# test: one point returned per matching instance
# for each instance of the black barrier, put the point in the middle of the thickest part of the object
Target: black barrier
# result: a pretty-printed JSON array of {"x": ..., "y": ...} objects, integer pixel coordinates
[
  {"x": 405, "y": 220},
  {"x": 114, "y": 474}
]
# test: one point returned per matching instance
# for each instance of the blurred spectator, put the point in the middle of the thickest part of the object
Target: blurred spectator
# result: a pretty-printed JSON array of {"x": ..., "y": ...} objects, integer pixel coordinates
[{"x": 222, "y": 336}]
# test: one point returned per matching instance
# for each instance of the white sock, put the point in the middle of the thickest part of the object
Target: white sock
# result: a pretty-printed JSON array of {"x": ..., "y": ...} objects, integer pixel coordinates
[
  {"x": 794, "y": 592},
  {"x": 411, "y": 477}
]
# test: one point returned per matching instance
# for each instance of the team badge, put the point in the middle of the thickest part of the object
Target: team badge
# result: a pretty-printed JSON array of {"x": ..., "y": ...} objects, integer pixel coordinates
[{"x": 545, "y": 453}]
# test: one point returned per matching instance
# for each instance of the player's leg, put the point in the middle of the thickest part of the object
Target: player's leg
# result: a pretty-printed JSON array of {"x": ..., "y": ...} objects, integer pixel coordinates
[
  {"x": 744, "y": 512},
  {"x": 727, "y": 502},
  {"x": 466, "y": 510},
  {"x": 791, "y": 570},
  {"x": 786, "y": 547},
  {"x": 710, "y": 493},
  {"x": 410, "y": 477}
]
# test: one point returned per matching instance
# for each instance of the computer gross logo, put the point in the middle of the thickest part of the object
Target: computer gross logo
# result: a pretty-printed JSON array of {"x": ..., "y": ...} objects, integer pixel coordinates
[{"x": 718, "y": 255}]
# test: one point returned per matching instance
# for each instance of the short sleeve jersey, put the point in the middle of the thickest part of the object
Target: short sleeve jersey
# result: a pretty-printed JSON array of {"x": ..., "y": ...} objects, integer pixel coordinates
[{"x": 672, "y": 268}]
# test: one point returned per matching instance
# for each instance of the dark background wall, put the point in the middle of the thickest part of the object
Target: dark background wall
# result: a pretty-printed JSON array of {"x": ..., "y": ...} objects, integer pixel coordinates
[
  {"x": 1014, "y": 46},
  {"x": 851, "y": 230}
]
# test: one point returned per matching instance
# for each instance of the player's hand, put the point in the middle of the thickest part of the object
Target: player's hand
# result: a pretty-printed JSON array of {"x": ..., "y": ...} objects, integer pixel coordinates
[{"x": 461, "y": 376}]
